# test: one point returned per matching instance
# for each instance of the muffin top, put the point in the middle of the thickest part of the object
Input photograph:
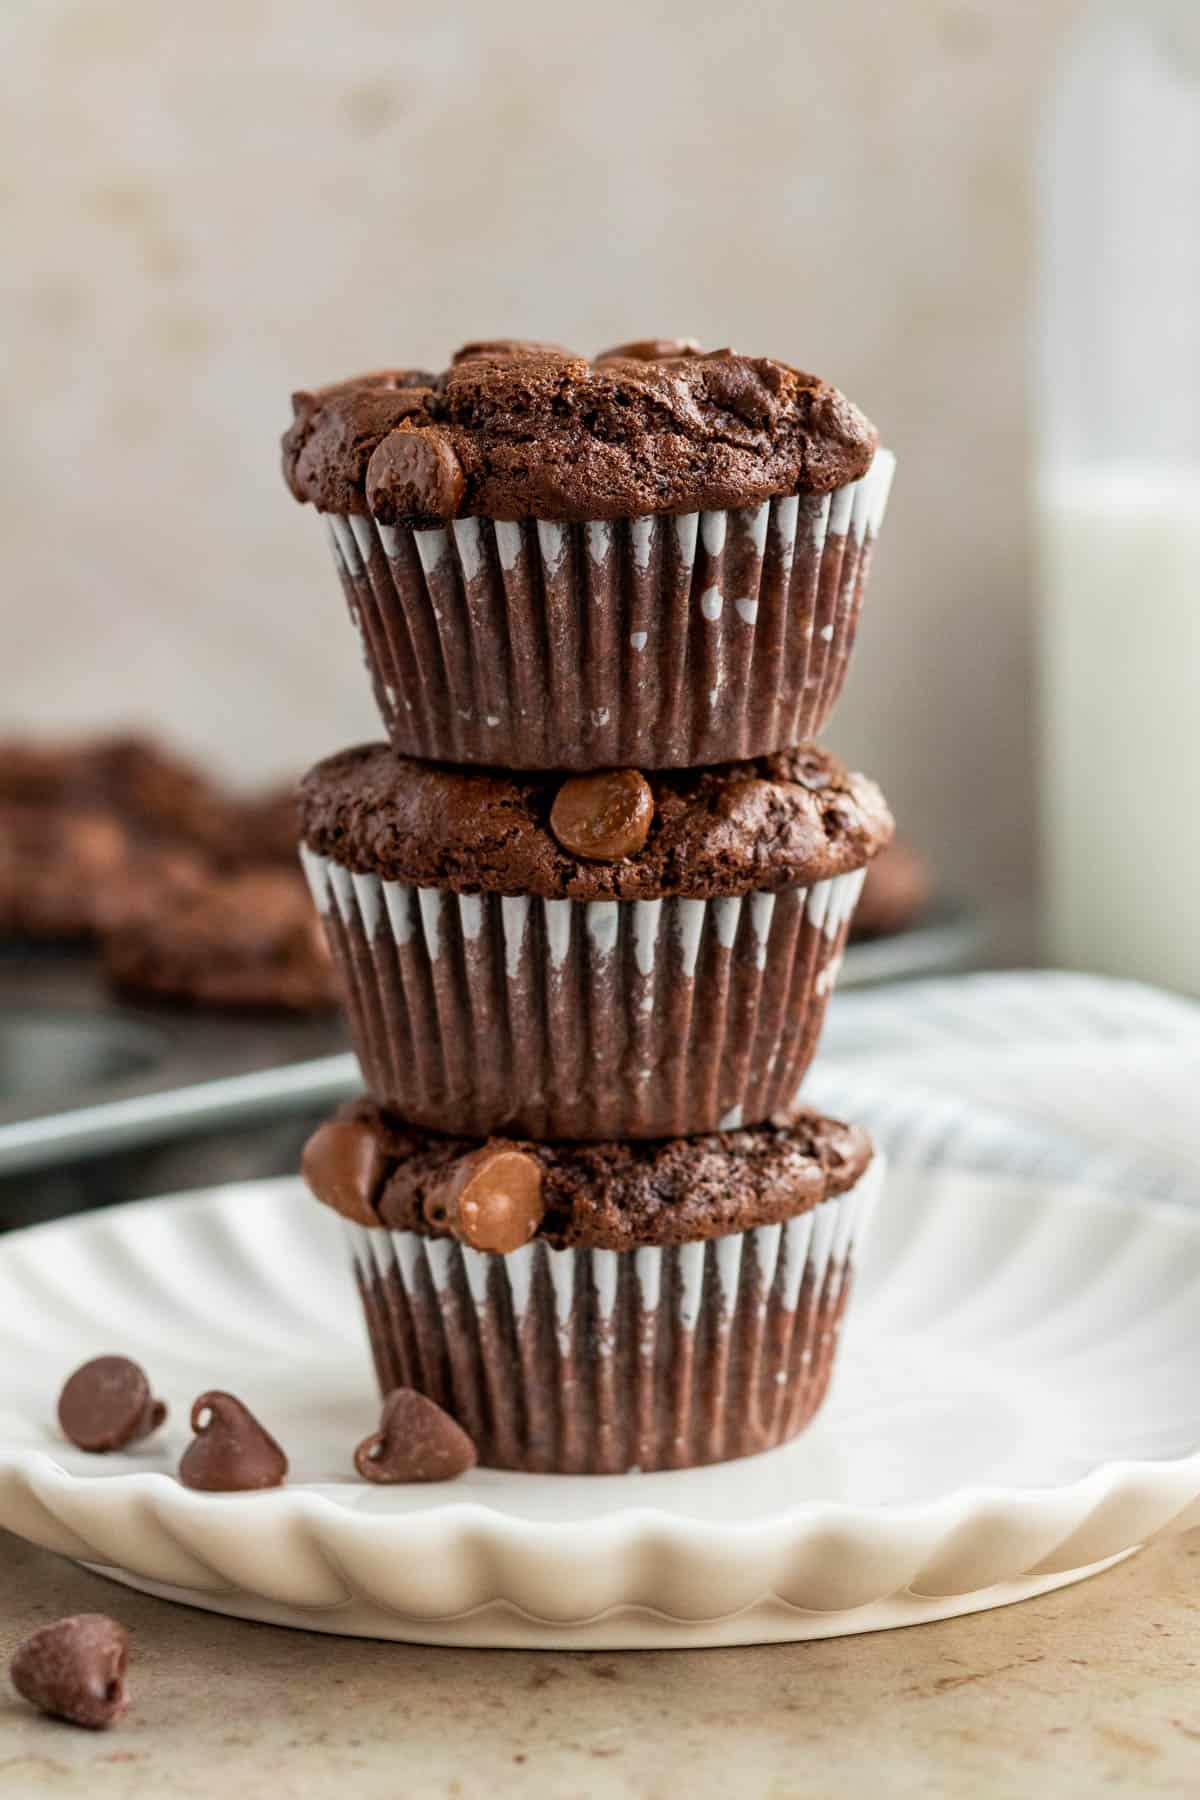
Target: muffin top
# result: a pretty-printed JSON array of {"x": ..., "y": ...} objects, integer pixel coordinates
[
  {"x": 503, "y": 1192},
  {"x": 522, "y": 430},
  {"x": 789, "y": 819}
]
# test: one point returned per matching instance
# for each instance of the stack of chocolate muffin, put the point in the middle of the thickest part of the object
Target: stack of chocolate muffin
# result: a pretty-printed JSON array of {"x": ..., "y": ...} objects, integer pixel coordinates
[{"x": 588, "y": 904}]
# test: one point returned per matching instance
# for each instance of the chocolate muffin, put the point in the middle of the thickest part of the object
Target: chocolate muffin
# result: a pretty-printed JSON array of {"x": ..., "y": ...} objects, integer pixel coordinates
[
  {"x": 896, "y": 892},
  {"x": 154, "y": 794},
  {"x": 246, "y": 940},
  {"x": 56, "y": 866},
  {"x": 654, "y": 559},
  {"x": 602, "y": 956},
  {"x": 594, "y": 1308}
]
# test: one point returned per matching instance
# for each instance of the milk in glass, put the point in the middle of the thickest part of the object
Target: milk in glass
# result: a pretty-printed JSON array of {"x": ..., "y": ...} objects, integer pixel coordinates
[{"x": 1119, "y": 499}]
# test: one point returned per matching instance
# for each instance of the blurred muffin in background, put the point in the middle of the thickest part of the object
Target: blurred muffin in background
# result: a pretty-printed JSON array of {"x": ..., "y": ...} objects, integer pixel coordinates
[
  {"x": 897, "y": 889},
  {"x": 246, "y": 939},
  {"x": 56, "y": 866},
  {"x": 157, "y": 796},
  {"x": 149, "y": 789},
  {"x": 192, "y": 890}
]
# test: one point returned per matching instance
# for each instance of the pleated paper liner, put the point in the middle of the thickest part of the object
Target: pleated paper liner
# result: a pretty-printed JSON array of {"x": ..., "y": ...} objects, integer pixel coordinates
[
  {"x": 654, "y": 642},
  {"x": 478, "y": 1013},
  {"x": 603, "y": 1361}
]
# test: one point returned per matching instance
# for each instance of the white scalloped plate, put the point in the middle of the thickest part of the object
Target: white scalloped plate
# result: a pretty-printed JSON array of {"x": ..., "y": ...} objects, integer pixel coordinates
[{"x": 1018, "y": 1403}]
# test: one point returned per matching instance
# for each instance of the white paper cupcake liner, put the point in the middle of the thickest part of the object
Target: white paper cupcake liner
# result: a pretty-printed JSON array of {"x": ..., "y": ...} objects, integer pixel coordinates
[
  {"x": 654, "y": 642},
  {"x": 478, "y": 1013},
  {"x": 604, "y": 1361}
]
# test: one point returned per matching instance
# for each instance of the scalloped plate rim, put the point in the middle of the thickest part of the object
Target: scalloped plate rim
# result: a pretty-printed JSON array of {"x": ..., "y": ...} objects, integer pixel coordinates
[
  {"x": 1161, "y": 1489},
  {"x": 1105, "y": 1475}
]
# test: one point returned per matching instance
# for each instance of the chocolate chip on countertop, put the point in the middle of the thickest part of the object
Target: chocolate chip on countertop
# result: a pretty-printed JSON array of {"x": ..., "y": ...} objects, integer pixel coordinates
[
  {"x": 231, "y": 1451},
  {"x": 603, "y": 817},
  {"x": 651, "y": 350},
  {"x": 75, "y": 1669},
  {"x": 492, "y": 1199},
  {"x": 343, "y": 1164},
  {"x": 416, "y": 1441},
  {"x": 107, "y": 1404}
]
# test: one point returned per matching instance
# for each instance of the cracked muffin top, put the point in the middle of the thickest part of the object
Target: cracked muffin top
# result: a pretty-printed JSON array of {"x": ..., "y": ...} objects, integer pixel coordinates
[
  {"x": 771, "y": 822},
  {"x": 379, "y": 1171},
  {"x": 518, "y": 430}
]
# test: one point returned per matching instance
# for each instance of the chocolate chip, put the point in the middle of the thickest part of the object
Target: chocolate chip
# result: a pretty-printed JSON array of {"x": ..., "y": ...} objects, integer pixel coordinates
[
  {"x": 492, "y": 1198},
  {"x": 603, "y": 817},
  {"x": 739, "y": 387},
  {"x": 504, "y": 350},
  {"x": 651, "y": 350},
  {"x": 416, "y": 1441},
  {"x": 344, "y": 1166},
  {"x": 75, "y": 1669},
  {"x": 107, "y": 1404},
  {"x": 414, "y": 473},
  {"x": 231, "y": 1451}
]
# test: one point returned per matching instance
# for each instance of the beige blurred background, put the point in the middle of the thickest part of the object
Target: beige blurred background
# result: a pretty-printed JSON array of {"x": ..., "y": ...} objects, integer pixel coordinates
[{"x": 205, "y": 207}]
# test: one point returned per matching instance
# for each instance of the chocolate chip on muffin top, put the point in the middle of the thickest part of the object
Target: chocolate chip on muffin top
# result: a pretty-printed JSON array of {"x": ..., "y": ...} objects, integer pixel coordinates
[
  {"x": 607, "y": 1196},
  {"x": 517, "y": 431},
  {"x": 776, "y": 821}
]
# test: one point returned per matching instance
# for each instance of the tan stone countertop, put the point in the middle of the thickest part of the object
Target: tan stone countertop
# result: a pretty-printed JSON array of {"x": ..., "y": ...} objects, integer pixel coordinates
[{"x": 1089, "y": 1690}]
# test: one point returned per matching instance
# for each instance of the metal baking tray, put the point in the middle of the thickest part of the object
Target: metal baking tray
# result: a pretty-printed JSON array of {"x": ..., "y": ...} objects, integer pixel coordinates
[{"x": 103, "y": 1101}]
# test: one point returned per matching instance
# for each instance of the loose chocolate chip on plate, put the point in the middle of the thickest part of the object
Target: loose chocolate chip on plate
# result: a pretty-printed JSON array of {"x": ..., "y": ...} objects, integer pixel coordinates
[
  {"x": 416, "y": 1441},
  {"x": 75, "y": 1669},
  {"x": 343, "y": 1164},
  {"x": 231, "y": 1451},
  {"x": 492, "y": 1199},
  {"x": 603, "y": 817},
  {"x": 107, "y": 1404}
]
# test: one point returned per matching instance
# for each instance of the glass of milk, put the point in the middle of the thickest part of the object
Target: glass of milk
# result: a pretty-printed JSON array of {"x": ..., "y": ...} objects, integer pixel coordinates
[{"x": 1119, "y": 497}]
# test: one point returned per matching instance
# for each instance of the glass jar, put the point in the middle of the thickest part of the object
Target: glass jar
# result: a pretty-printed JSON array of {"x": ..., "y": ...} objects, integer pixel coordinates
[{"x": 1119, "y": 497}]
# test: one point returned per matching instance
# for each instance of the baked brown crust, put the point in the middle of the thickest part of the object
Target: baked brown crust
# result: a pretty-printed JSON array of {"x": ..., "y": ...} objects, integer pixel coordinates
[
  {"x": 775, "y": 821},
  {"x": 619, "y": 1196},
  {"x": 519, "y": 431}
]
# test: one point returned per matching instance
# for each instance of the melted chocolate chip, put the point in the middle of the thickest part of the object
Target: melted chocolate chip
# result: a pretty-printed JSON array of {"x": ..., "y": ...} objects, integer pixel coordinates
[
  {"x": 107, "y": 1404},
  {"x": 492, "y": 1199},
  {"x": 75, "y": 1669},
  {"x": 343, "y": 1165},
  {"x": 603, "y": 817},
  {"x": 415, "y": 473},
  {"x": 651, "y": 350},
  {"x": 504, "y": 349},
  {"x": 231, "y": 1451},
  {"x": 416, "y": 1441}
]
